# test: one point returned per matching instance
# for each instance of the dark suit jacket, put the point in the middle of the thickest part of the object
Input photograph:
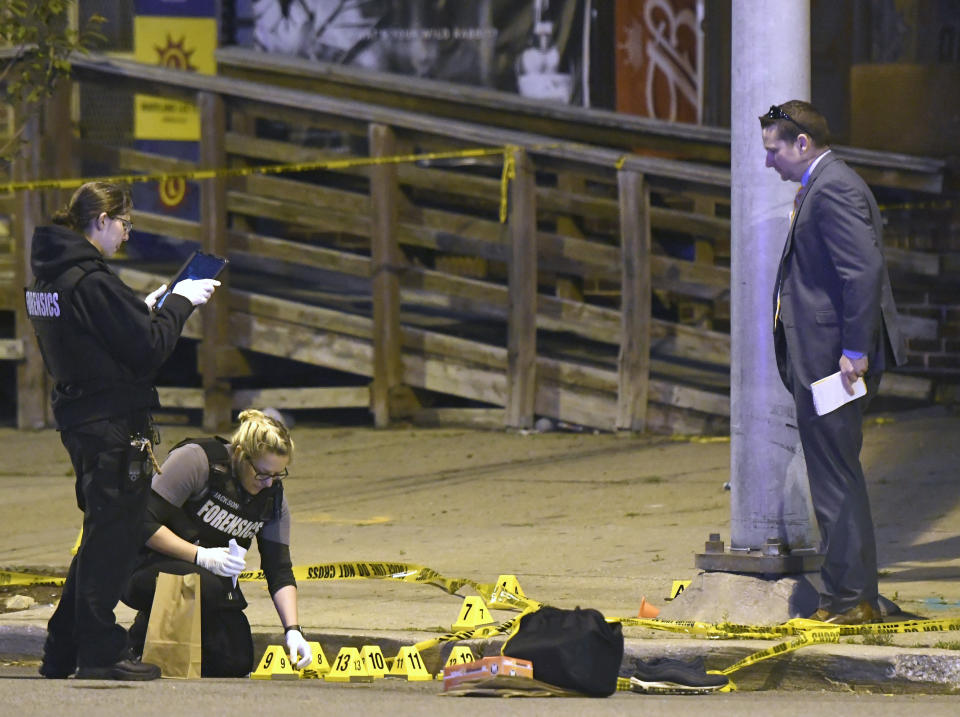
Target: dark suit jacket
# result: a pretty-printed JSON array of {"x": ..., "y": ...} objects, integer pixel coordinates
[{"x": 834, "y": 289}]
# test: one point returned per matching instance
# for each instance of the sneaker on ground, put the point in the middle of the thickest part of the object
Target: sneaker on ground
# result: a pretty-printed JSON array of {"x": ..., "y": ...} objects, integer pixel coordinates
[
  {"x": 666, "y": 676},
  {"x": 132, "y": 670}
]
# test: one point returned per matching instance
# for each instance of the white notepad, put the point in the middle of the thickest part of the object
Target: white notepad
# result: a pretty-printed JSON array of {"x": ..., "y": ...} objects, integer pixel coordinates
[{"x": 829, "y": 393}]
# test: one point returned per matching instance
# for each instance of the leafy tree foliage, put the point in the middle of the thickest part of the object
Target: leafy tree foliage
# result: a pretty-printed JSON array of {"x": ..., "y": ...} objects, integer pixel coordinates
[{"x": 36, "y": 41}]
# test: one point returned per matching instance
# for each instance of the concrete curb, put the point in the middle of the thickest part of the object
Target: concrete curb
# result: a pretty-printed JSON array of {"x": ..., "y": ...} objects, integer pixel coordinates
[{"x": 843, "y": 668}]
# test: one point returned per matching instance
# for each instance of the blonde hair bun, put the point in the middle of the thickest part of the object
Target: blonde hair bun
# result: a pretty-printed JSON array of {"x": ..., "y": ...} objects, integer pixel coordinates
[{"x": 259, "y": 433}]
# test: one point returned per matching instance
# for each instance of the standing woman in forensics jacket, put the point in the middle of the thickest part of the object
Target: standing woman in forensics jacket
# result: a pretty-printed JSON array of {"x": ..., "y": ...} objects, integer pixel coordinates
[{"x": 103, "y": 345}]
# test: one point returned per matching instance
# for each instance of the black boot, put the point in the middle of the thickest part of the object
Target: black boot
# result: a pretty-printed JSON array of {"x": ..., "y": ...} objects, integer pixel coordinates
[
  {"x": 137, "y": 634},
  {"x": 59, "y": 660},
  {"x": 126, "y": 669}
]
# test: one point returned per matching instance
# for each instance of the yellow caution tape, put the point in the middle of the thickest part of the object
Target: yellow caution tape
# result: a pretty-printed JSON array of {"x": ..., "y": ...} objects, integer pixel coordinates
[
  {"x": 8, "y": 577},
  {"x": 804, "y": 632},
  {"x": 687, "y": 438},
  {"x": 509, "y": 171},
  {"x": 198, "y": 174},
  {"x": 801, "y": 632},
  {"x": 811, "y": 637},
  {"x": 402, "y": 572},
  {"x": 507, "y": 152},
  {"x": 796, "y": 626}
]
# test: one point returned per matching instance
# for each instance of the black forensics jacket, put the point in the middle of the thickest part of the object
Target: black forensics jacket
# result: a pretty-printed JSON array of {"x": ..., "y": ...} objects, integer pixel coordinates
[{"x": 99, "y": 341}]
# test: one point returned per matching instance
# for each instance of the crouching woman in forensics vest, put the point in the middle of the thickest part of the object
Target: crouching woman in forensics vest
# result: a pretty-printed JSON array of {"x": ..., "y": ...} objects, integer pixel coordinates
[{"x": 207, "y": 493}]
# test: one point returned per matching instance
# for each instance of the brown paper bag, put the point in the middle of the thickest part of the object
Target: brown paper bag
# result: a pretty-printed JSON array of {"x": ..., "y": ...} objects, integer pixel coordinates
[{"x": 173, "y": 633}]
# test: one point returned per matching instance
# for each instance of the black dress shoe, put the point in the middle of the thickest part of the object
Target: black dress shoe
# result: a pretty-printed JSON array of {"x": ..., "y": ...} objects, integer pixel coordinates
[{"x": 126, "y": 669}]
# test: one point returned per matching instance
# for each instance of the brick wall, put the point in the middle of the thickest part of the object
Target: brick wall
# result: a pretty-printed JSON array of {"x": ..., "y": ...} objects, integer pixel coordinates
[{"x": 934, "y": 354}]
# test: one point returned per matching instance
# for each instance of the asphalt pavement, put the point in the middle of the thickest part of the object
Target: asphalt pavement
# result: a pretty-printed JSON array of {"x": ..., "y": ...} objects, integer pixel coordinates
[{"x": 594, "y": 520}]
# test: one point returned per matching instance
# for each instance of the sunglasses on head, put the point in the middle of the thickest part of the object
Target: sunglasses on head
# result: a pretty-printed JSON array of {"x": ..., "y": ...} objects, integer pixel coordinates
[{"x": 777, "y": 113}]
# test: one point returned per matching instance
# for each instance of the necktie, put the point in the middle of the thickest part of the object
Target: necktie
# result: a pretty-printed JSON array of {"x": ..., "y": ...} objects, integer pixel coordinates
[
  {"x": 796, "y": 201},
  {"x": 796, "y": 205}
]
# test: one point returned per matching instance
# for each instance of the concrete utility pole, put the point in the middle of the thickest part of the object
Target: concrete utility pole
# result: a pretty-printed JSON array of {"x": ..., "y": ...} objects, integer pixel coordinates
[{"x": 769, "y": 492}]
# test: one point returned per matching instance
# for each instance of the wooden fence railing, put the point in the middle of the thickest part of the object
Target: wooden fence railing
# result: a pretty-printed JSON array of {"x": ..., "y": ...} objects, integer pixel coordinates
[{"x": 601, "y": 301}]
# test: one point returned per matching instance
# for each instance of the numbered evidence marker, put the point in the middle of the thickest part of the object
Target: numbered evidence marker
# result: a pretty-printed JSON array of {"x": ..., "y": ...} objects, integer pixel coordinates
[
  {"x": 506, "y": 584},
  {"x": 318, "y": 667},
  {"x": 348, "y": 667},
  {"x": 275, "y": 665},
  {"x": 678, "y": 587},
  {"x": 474, "y": 613},
  {"x": 459, "y": 655},
  {"x": 373, "y": 660},
  {"x": 409, "y": 664}
]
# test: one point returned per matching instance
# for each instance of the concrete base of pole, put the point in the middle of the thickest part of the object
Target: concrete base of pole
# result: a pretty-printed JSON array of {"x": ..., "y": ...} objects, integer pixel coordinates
[{"x": 750, "y": 600}]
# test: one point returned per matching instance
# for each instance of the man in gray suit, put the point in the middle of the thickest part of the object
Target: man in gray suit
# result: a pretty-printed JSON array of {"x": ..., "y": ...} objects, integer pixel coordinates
[{"x": 833, "y": 309}]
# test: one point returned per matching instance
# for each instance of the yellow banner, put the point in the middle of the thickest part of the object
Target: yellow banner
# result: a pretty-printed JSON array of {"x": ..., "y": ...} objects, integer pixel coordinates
[{"x": 183, "y": 43}]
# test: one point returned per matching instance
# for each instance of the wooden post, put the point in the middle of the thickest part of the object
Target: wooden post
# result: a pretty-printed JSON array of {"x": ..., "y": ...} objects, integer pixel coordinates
[
  {"x": 634, "y": 360},
  {"x": 32, "y": 398},
  {"x": 522, "y": 277},
  {"x": 213, "y": 223},
  {"x": 386, "y": 260}
]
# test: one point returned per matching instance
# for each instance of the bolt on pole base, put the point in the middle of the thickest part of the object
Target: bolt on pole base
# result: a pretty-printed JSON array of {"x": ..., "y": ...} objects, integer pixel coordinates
[{"x": 775, "y": 558}]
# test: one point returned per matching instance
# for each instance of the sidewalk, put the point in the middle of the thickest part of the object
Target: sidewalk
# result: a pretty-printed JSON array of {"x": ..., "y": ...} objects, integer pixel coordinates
[{"x": 590, "y": 520}]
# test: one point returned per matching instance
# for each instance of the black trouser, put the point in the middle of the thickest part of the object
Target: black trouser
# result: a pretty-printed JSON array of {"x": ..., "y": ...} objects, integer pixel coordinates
[
  {"x": 112, "y": 487},
  {"x": 227, "y": 649},
  {"x": 831, "y": 448}
]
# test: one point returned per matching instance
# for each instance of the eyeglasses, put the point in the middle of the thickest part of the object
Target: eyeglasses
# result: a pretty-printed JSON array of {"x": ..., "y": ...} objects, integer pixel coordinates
[
  {"x": 264, "y": 477},
  {"x": 127, "y": 224},
  {"x": 776, "y": 113}
]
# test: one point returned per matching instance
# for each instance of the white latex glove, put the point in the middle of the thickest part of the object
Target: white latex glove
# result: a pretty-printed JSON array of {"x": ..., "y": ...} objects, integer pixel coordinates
[
  {"x": 298, "y": 649},
  {"x": 196, "y": 291},
  {"x": 152, "y": 297},
  {"x": 220, "y": 562},
  {"x": 237, "y": 551}
]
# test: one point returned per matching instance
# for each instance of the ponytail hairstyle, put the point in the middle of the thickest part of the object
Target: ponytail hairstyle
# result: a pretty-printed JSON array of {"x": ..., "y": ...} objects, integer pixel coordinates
[
  {"x": 90, "y": 201},
  {"x": 258, "y": 434}
]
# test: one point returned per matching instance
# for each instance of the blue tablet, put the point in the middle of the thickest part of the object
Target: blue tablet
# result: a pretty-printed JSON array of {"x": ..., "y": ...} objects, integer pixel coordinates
[{"x": 198, "y": 266}]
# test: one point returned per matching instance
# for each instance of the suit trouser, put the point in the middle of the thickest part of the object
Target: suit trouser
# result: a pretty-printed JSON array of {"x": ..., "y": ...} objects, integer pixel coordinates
[
  {"x": 83, "y": 629},
  {"x": 831, "y": 447}
]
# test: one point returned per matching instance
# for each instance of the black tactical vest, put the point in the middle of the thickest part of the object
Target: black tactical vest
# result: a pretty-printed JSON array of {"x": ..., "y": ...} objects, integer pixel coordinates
[{"x": 225, "y": 510}]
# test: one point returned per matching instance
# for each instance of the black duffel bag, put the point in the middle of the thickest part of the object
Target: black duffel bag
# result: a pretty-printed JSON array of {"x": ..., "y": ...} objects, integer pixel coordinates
[{"x": 574, "y": 649}]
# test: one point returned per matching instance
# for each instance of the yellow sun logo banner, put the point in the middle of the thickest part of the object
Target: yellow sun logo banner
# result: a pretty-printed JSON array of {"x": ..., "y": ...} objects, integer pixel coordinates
[{"x": 181, "y": 43}]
